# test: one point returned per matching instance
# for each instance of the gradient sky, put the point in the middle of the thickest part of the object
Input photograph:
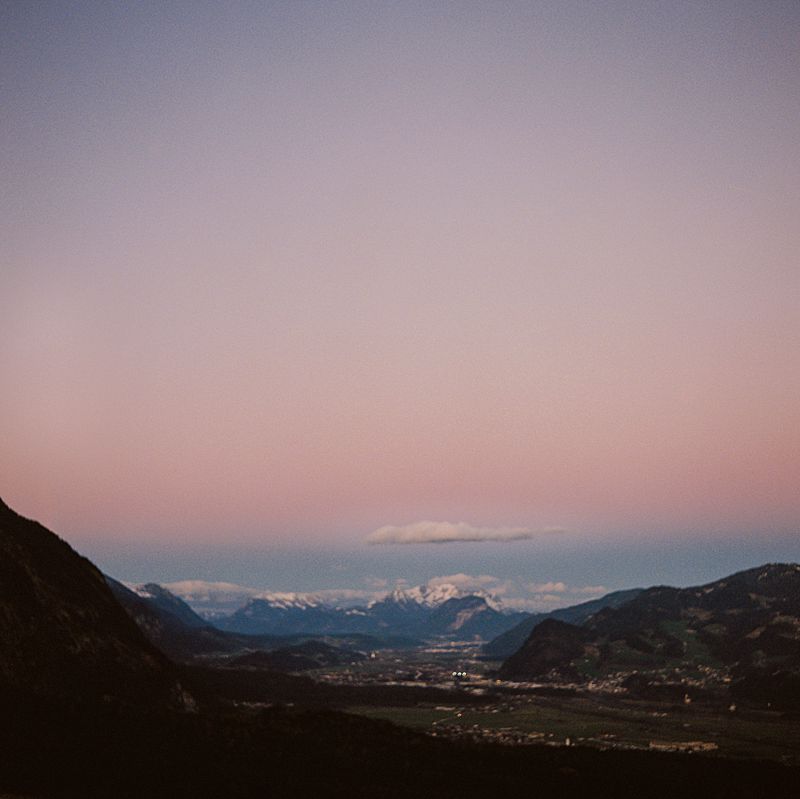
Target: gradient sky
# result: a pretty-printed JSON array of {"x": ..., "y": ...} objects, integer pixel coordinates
[{"x": 280, "y": 274}]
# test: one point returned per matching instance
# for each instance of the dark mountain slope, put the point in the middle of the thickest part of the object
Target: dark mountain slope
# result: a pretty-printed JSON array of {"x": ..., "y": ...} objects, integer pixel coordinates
[
  {"x": 469, "y": 617},
  {"x": 751, "y": 618},
  {"x": 744, "y": 628},
  {"x": 510, "y": 641},
  {"x": 61, "y": 629},
  {"x": 159, "y": 597},
  {"x": 552, "y": 645},
  {"x": 172, "y": 634}
]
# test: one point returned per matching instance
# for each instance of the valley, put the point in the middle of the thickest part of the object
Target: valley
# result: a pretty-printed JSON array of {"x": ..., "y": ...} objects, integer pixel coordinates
[
  {"x": 598, "y": 714},
  {"x": 662, "y": 670}
]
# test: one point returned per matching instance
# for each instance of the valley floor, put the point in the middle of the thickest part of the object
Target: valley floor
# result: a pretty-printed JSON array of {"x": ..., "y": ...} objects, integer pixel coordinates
[
  {"x": 596, "y": 715},
  {"x": 607, "y": 723}
]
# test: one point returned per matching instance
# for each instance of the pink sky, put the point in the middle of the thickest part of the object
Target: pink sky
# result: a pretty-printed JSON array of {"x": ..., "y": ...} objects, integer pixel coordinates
[{"x": 293, "y": 274}]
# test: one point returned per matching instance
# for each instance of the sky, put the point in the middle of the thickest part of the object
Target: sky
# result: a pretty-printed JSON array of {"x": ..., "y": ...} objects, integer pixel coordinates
[{"x": 287, "y": 279}]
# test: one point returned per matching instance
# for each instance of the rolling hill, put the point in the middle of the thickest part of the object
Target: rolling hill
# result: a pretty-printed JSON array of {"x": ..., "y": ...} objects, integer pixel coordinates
[
  {"x": 742, "y": 631},
  {"x": 505, "y": 644}
]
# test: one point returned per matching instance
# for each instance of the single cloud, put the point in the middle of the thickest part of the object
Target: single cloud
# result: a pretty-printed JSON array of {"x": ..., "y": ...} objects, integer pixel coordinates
[
  {"x": 462, "y": 580},
  {"x": 547, "y": 588},
  {"x": 204, "y": 590},
  {"x": 449, "y": 533}
]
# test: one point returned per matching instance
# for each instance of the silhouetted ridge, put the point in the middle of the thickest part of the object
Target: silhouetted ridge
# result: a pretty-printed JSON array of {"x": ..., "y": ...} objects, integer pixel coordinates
[{"x": 62, "y": 631}]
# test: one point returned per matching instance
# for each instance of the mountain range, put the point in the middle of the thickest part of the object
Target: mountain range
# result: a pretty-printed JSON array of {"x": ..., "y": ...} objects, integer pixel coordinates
[
  {"x": 172, "y": 626},
  {"x": 400, "y": 619},
  {"x": 421, "y": 612}
]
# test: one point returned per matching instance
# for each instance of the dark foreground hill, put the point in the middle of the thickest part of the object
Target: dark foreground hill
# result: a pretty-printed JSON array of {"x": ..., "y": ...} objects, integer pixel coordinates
[
  {"x": 279, "y": 753},
  {"x": 62, "y": 633},
  {"x": 87, "y": 709}
]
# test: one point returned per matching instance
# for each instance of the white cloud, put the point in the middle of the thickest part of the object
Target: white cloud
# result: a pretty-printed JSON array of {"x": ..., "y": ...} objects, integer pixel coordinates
[
  {"x": 547, "y": 588},
  {"x": 203, "y": 591},
  {"x": 462, "y": 580},
  {"x": 554, "y": 594},
  {"x": 450, "y": 532},
  {"x": 525, "y": 604},
  {"x": 211, "y": 599}
]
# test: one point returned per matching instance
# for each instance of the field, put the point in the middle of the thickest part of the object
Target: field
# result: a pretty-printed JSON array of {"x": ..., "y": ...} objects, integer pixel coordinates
[{"x": 608, "y": 722}]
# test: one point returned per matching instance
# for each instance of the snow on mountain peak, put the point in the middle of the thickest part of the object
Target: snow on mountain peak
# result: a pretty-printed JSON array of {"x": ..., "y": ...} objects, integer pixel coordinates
[
  {"x": 138, "y": 589},
  {"x": 432, "y": 596},
  {"x": 288, "y": 599},
  {"x": 212, "y": 599}
]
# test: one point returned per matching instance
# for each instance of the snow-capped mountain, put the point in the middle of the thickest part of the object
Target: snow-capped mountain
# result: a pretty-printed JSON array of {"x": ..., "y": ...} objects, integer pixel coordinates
[
  {"x": 289, "y": 599},
  {"x": 420, "y": 612},
  {"x": 213, "y": 600},
  {"x": 284, "y": 614},
  {"x": 432, "y": 596}
]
